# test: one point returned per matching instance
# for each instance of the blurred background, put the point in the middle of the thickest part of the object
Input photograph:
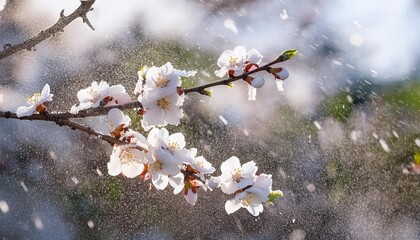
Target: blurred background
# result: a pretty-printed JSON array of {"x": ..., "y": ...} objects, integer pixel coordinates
[{"x": 342, "y": 141}]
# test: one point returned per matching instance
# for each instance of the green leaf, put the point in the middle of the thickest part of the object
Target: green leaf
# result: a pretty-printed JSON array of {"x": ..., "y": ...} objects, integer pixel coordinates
[
  {"x": 230, "y": 85},
  {"x": 416, "y": 158},
  {"x": 288, "y": 54},
  {"x": 274, "y": 195}
]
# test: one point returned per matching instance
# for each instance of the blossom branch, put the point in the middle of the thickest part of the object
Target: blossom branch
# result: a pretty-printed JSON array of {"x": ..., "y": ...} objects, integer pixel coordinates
[
  {"x": 201, "y": 89},
  {"x": 92, "y": 112},
  {"x": 161, "y": 157},
  {"x": 59, "y": 120},
  {"x": 63, "y": 21}
]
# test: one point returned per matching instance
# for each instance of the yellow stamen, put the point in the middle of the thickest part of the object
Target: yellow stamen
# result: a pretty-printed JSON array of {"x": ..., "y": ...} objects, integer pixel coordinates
[
  {"x": 200, "y": 163},
  {"x": 232, "y": 60},
  {"x": 127, "y": 156},
  {"x": 173, "y": 146},
  {"x": 94, "y": 94},
  {"x": 33, "y": 99},
  {"x": 248, "y": 199},
  {"x": 156, "y": 166},
  {"x": 237, "y": 174},
  {"x": 161, "y": 81},
  {"x": 163, "y": 103}
]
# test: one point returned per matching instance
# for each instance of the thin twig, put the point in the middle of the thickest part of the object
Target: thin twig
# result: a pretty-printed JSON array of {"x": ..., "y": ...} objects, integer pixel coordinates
[
  {"x": 63, "y": 21},
  {"x": 104, "y": 110},
  {"x": 225, "y": 82},
  {"x": 93, "y": 112},
  {"x": 65, "y": 122}
]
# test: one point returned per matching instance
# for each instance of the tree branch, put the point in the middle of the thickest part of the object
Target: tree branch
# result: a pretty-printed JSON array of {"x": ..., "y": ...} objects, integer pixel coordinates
[
  {"x": 63, "y": 21},
  {"x": 283, "y": 57},
  {"x": 59, "y": 120},
  {"x": 63, "y": 118}
]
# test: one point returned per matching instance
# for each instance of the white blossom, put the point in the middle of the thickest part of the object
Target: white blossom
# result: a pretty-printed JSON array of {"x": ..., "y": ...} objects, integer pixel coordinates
[
  {"x": 199, "y": 163},
  {"x": 162, "y": 81},
  {"x": 189, "y": 187},
  {"x": 160, "y": 96},
  {"x": 190, "y": 192},
  {"x": 231, "y": 60},
  {"x": 162, "y": 165},
  {"x": 163, "y": 111},
  {"x": 174, "y": 143},
  {"x": 35, "y": 103},
  {"x": 126, "y": 160},
  {"x": 129, "y": 159},
  {"x": 251, "y": 199},
  {"x": 237, "y": 60},
  {"x": 100, "y": 94},
  {"x": 115, "y": 123},
  {"x": 234, "y": 176}
]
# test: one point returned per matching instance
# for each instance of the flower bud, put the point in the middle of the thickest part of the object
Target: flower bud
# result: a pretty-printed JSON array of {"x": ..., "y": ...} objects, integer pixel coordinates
[
  {"x": 256, "y": 82},
  {"x": 206, "y": 92},
  {"x": 279, "y": 73},
  {"x": 142, "y": 72}
]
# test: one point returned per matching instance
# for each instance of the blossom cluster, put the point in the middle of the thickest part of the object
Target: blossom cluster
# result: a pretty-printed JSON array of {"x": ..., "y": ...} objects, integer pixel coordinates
[
  {"x": 161, "y": 95},
  {"x": 164, "y": 158},
  {"x": 238, "y": 61}
]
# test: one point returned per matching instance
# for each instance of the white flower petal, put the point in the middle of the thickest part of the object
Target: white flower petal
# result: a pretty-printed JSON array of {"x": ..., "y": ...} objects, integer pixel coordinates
[
  {"x": 160, "y": 181},
  {"x": 74, "y": 109},
  {"x": 102, "y": 127},
  {"x": 213, "y": 182},
  {"x": 229, "y": 187},
  {"x": 230, "y": 165},
  {"x": 249, "y": 169},
  {"x": 232, "y": 205},
  {"x": 223, "y": 60},
  {"x": 191, "y": 197},
  {"x": 152, "y": 138},
  {"x": 24, "y": 111},
  {"x": 154, "y": 117},
  {"x": 45, "y": 94},
  {"x": 173, "y": 115},
  {"x": 245, "y": 182},
  {"x": 177, "y": 182},
  {"x": 255, "y": 209},
  {"x": 254, "y": 56},
  {"x": 115, "y": 116},
  {"x": 177, "y": 138},
  {"x": 258, "y": 82},
  {"x": 240, "y": 52},
  {"x": 221, "y": 72},
  {"x": 132, "y": 169},
  {"x": 264, "y": 182},
  {"x": 114, "y": 167}
]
